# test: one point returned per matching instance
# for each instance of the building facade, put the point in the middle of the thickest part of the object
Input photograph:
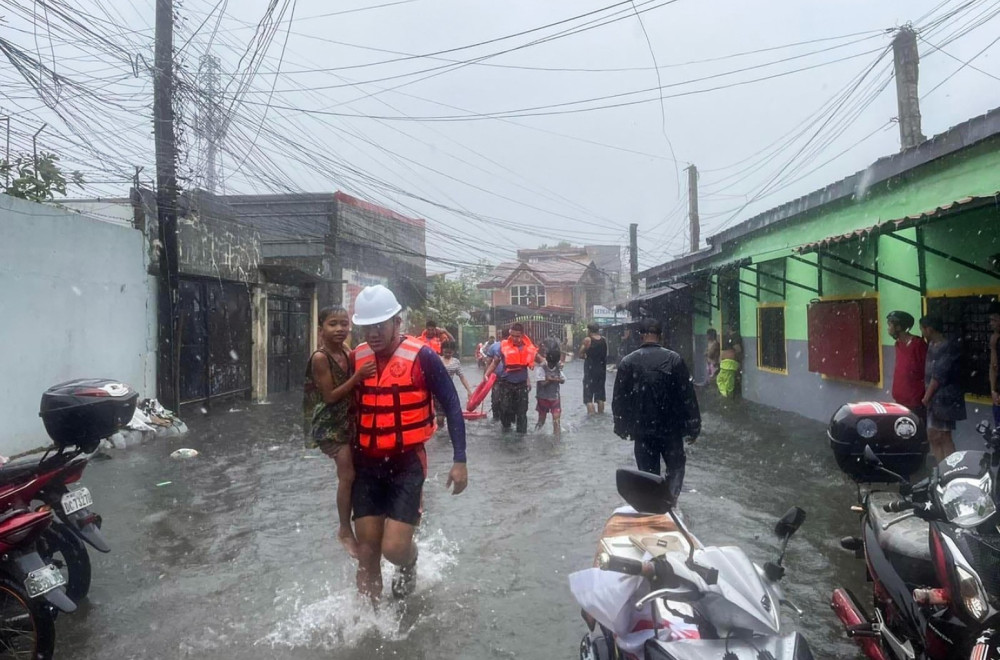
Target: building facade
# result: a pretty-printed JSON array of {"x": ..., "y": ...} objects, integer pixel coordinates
[{"x": 808, "y": 284}]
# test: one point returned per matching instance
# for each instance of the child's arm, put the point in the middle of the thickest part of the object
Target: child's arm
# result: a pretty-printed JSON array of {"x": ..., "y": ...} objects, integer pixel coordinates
[
  {"x": 461, "y": 377},
  {"x": 324, "y": 378}
]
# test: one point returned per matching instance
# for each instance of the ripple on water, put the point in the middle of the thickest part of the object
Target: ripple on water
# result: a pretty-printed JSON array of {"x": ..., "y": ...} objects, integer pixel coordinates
[{"x": 342, "y": 618}]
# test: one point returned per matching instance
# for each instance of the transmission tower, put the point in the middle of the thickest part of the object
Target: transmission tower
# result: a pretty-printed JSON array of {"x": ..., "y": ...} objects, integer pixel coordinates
[{"x": 210, "y": 122}]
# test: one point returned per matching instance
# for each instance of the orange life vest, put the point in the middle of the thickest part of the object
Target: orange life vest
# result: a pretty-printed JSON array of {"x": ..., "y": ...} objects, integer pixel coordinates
[
  {"x": 433, "y": 342},
  {"x": 516, "y": 358},
  {"x": 394, "y": 411}
]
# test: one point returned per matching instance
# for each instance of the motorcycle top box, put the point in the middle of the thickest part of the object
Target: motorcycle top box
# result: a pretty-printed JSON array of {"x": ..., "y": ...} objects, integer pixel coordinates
[
  {"x": 895, "y": 433},
  {"x": 83, "y": 412}
]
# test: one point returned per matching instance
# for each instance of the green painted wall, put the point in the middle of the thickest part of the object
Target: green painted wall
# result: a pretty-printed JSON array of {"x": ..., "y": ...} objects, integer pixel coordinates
[{"x": 972, "y": 235}]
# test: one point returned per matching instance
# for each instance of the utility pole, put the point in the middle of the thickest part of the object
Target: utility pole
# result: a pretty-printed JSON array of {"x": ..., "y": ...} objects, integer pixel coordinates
[
  {"x": 693, "y": 207},
  {"x": 210, "y": 125},
  {"x": 906, "y": 60},
  {"x": 166, "y": 204},
  {"x": 633, "y": 256}
]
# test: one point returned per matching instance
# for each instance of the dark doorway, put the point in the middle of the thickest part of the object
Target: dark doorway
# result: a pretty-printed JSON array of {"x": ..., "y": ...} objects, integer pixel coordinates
[
  {"x": 287, "y": 342},
  {"x": 215, "y": 339}
]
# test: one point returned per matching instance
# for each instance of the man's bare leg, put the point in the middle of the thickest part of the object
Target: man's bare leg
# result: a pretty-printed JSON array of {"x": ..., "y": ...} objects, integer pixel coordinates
[
  {"x": 556, "y": 425},
  {"x": 370, "y": 531},
  {"x": 399, "y": 548},
  {"x": 600, "y": 407},
  {"x": 591, "y": 409},
  {"x": 941, "y": 443},
  {"x": 345, "y": 481}
]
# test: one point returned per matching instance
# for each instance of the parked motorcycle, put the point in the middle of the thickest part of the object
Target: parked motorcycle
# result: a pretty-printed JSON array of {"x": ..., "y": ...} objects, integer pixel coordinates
[
  {"x": 659, "y": 594},
  {"x": 31, "y": 589},
  {"x": 932, "y": 552},
  {"x": 77, "y": 415}
]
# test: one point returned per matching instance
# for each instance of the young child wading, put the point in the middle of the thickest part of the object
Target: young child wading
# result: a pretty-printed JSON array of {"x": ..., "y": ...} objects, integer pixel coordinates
[
  {"x": 548, "y": 378},
  {"x": 328, "y": 409}
]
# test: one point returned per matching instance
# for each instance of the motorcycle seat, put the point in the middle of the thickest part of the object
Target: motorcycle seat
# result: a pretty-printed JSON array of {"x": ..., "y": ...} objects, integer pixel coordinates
[
  {"x": 906, "y": 543},
  {"x": 19, "y": 469}
]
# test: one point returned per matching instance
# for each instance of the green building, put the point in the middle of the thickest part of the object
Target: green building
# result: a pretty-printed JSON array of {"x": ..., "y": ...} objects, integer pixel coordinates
[{"x": 808, "y": 284}]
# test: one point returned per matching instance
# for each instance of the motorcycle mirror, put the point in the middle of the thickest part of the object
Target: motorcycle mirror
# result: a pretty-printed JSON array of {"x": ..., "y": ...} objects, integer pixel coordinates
[
  {"x": 871, "y": 458},
  {"x": 645, "y": 492},
  {"x": 790, "y": 522}
]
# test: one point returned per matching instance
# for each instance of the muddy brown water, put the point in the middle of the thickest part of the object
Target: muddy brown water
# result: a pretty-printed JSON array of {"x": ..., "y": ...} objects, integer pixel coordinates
[{"x": 236, "y": 556}]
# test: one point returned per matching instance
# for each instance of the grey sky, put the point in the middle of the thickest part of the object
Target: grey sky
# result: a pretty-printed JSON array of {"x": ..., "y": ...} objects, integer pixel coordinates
[{"x": 521, "y": 183}]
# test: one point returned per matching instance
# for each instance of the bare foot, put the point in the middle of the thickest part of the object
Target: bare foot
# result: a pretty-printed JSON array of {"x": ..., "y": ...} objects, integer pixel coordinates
[{"x": 348, "y": 540}]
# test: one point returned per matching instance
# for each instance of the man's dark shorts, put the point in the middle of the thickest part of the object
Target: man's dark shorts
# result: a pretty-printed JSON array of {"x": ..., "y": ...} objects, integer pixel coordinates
[
  {"x": 389, "y": 486},
  {"x": 594, "y": 386}
]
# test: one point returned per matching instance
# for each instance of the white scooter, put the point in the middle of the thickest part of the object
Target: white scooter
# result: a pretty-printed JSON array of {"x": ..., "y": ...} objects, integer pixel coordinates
[{"x": 658, "y": 594}]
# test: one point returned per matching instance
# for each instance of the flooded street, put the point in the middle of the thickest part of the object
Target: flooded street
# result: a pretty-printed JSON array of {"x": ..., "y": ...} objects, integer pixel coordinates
[{"x": 236, "y": 555}]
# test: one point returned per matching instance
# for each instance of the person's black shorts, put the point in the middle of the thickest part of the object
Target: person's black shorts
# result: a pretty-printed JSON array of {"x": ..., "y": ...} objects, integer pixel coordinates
[
  {"x": 389, "y": 487},
  {"x": 593, "y": 386}
]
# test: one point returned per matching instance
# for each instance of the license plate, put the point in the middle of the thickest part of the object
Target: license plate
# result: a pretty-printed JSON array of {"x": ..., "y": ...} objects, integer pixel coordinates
[
  {"x": 43, "y": 580},
  {"x": 77, "y": 499}
]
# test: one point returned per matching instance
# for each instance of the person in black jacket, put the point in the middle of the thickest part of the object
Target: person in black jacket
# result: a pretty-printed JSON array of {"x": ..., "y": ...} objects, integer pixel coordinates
[{"x": 654, "y": 405}]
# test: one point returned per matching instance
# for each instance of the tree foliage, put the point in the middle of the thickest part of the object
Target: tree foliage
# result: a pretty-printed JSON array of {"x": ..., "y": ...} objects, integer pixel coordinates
[
  {"x": 36, "y": 179},
  {"x": 448, "y": 302}
]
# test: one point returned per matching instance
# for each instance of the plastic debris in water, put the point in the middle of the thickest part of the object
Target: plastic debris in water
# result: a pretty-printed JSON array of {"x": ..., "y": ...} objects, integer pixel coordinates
[{"x": 184, "y": 453}]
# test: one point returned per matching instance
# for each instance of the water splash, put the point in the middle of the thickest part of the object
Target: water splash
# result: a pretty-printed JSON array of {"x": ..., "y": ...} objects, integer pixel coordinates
[{"x": 343, "y": 618}]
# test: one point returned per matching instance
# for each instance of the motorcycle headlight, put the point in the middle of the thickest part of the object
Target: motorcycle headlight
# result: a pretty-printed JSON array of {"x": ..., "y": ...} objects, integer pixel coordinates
[
  {"x": 972, "y": 593},
  {"x": 968, "y": 502},
  {"x": 866, "y": 428}
]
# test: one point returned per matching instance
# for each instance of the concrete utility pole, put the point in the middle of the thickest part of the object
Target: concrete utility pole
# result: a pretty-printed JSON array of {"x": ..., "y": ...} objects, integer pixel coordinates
[
  {"x": 166, "y": 205},
  {"x": 693, "y": 207},
  {"x": 210, "y": 124},
  {"x": 633, "y": 256},
  {"x": 906, "y": 60}
]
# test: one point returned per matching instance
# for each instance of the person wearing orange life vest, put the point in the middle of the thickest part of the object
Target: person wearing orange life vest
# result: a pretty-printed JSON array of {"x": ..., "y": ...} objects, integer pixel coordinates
[
  {"x": 433, "y": 336},
  {"x": 513, "y": 358},
  {"x": 395, "y": 419}
]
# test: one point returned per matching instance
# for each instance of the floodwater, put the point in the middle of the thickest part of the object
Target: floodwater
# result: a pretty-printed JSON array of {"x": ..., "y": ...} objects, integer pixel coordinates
[{"x": 236, "y": 556}]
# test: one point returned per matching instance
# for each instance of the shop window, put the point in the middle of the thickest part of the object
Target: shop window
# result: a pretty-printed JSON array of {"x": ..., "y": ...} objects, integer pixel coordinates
[
  {"x": 844, "y": 339},
  {"x": 965, "y": 318},
  {"x": 528, "y": 295},
  {"x": 771, "y": 338}
]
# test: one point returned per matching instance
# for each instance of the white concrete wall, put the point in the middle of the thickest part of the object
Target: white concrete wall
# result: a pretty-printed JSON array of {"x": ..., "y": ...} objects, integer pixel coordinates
[{"x": 75, "y": 302}]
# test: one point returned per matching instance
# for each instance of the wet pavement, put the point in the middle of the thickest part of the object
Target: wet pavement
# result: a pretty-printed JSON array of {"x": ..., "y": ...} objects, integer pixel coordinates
[{"x": 236, "y": 555}]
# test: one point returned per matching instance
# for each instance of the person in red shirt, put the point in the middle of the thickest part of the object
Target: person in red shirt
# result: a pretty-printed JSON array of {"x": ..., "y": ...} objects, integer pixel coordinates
[{"x": 911, "y": 355}]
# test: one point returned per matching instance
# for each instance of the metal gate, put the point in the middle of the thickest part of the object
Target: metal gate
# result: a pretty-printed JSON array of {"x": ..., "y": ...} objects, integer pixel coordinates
[
  {"x": 287, "y": 342},
  {"x": 215, "y": 339},
  {"x": 539, "y": 330}
]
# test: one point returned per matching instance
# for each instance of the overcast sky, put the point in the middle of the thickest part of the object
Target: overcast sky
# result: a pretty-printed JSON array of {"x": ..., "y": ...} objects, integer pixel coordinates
[{"x": 341, "y": 117}]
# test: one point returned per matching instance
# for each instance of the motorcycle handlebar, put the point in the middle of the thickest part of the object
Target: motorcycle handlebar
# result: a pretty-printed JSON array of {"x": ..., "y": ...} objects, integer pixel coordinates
[
  {"x": 896, "y": 506},
  {"x": 624, "y": 565}
]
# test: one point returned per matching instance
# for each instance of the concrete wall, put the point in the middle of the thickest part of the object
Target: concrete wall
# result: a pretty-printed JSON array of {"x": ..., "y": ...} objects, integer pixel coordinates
[{"x": 77, "y": 302}]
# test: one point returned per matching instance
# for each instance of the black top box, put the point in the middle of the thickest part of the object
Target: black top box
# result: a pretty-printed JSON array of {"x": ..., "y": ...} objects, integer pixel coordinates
[
  {"x": 83, "y": 412},
  {"x": 896, "y": 435}
]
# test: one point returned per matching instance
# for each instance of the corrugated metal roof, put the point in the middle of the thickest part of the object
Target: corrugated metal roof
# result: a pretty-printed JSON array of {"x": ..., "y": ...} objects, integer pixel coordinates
[{"x": 964, "y": 204}]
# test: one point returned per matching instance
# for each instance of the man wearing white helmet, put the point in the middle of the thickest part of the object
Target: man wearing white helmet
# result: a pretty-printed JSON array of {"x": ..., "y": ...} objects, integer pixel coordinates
[{"x": 396, "y": 417}]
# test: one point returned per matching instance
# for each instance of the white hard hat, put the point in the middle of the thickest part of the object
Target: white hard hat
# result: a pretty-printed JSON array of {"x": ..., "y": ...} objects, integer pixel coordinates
[{"x": 375, "y": 304}]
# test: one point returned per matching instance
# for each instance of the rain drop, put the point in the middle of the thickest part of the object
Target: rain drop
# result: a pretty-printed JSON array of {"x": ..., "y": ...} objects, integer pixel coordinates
[
  {"x": 234, "y": 355},
  {"x": 77, "y": 290}
]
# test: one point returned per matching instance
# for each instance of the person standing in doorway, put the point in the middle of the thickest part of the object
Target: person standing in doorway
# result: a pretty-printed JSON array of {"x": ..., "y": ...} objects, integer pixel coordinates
[
  {"x": 730, "y": 364},
  {"x": 994, "y": 316},
  {"x": 594, "y": 351},
  {"x": 395, "y": 419},
  {"x": 329, "y": 412},
  {"x": 515, "y": 356},
  {"x": 911, "y": 358},
  {"x": 655, "y": 406},
  {"x": 943, "y": 397},
  {"x": 712, "y": 352}
]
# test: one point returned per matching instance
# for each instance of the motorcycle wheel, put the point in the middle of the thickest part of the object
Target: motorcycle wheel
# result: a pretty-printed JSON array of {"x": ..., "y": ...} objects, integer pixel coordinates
[
  {"x": 27, "y": 630},
  {"x": 61, "y": 547}
]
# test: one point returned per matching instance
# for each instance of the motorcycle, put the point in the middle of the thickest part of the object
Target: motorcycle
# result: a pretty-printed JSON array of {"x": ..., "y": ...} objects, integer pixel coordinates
[
  {"x": 931, "y": 553},
  {"x": 31, "y": 589},
  {"x": 77, "y": 415},
  {"x": 659, "y": 594}
]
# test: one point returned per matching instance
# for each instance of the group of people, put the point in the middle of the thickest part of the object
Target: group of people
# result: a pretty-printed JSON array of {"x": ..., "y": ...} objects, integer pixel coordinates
[
  {"x": 723, "y": 360},
  {"x": 927, "y": 377}
]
